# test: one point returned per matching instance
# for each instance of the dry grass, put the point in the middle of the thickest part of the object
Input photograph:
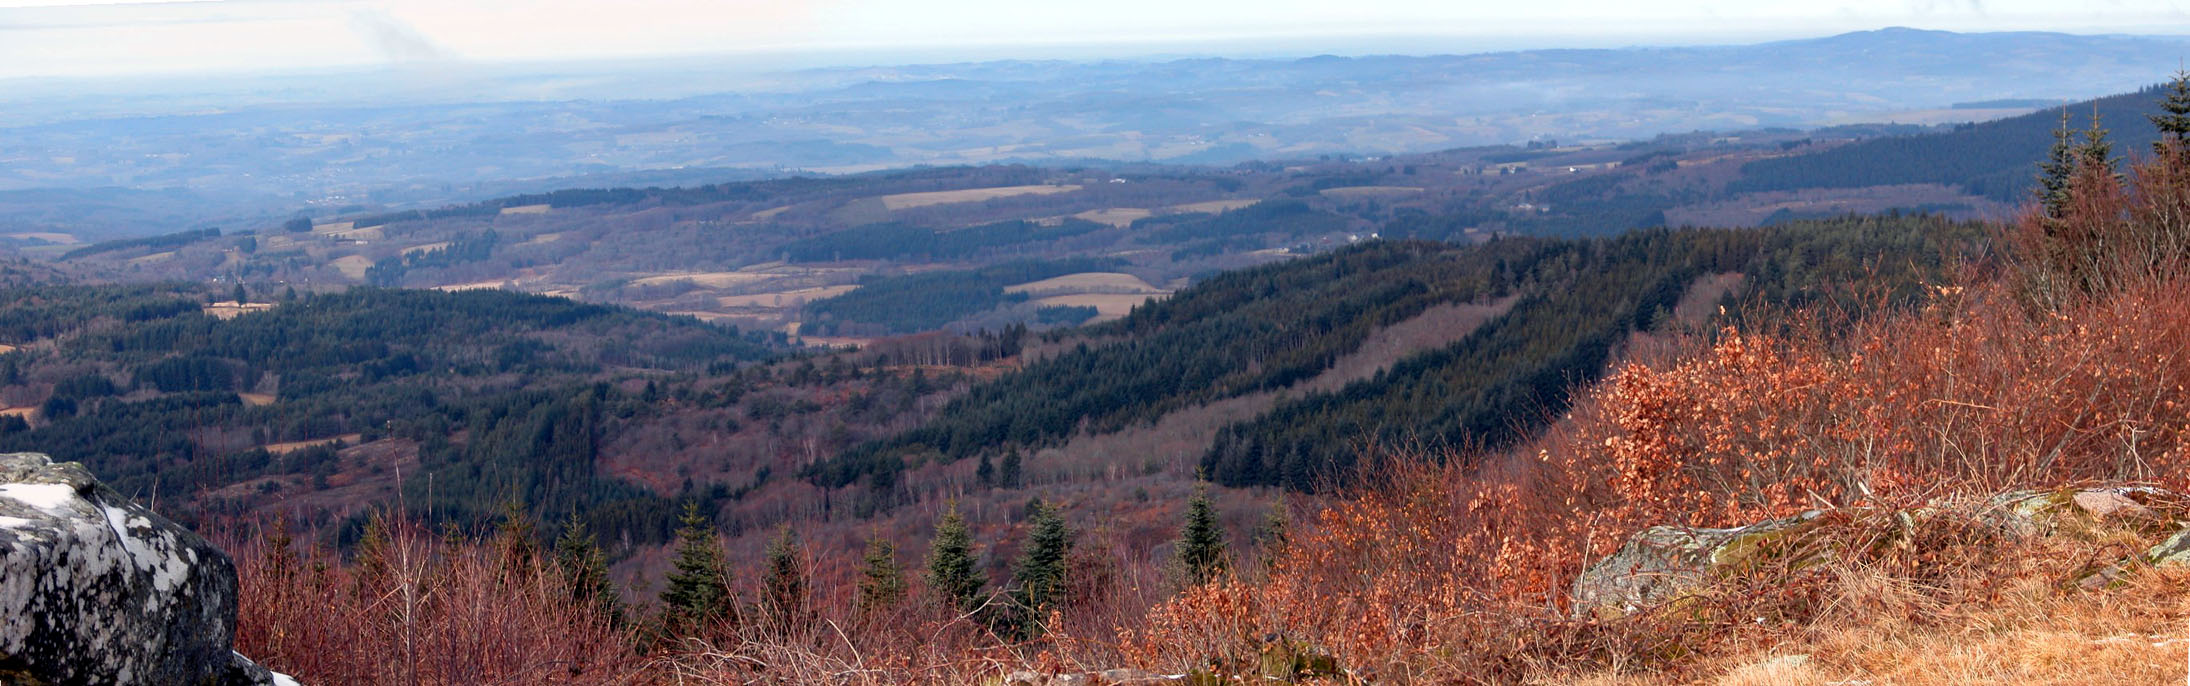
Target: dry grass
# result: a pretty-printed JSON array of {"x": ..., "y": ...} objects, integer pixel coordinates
[
  {"x": 352, "y": 266},
  {"x": 1110, "y": 306},
  {"x": 257, "y": 399},
  {"x": 527, "y": 209},
  {"x": 1120, "y": 217},
  {"x": 293, "y": 446},
  {"x": 707, "y": 279},
  {"x": 1212, "y": 206},
  {"x": 1088, "y": 282},
  {"x": 902, "y": 201},
  {"x": 230, "y": 309},
  {"x": 785, "y": 299},
  {"x": 1371, "y": 191},
  {"x": 47, "y": 236},
  {"x": 332, "y": 227},
  {"x": 154, "y": 257}
]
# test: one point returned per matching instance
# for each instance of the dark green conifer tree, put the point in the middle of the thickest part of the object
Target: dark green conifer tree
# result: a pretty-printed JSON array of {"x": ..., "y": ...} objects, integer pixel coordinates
[
  {"x": 783, "y": 587},
  {"x": 2174, "y": 121},
  {"x": 1200, "y": 552},
  {"x": 951, "y": 569},
  {"x": 1274, "y": 534},
  {"x": 881, "y": 581},
  {"x": 585, "y": 569},
  {"x": 1039, "y": 572},
  {"x": 1013, "y": 469},
  {"x": 986, "y": 472},
  {"x": 698, "y": 590},
  {"x": 2054, "y": 172}
]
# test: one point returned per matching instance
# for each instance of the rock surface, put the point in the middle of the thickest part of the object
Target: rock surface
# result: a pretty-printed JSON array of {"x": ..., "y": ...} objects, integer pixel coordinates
[
  {"x": 1661, "y": 563},
  {"x": 97, "y": 590},
  {"x": 1664, "y": 563}
]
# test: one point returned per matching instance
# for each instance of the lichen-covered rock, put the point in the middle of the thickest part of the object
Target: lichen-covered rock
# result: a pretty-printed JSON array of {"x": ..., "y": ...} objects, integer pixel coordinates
[
  {"x": 1662, "y": 563},
  {"x": 2027, "y": 513},
  {"x": 96, "y": 590}
]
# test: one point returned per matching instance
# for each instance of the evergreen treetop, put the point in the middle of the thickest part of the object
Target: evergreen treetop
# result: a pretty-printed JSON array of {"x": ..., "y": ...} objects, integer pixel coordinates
[{"x": 951, "y": 570}]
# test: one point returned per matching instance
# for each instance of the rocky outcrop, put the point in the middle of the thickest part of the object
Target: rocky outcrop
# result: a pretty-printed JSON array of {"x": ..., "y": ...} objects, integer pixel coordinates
[
  {"x": 97, "y": 590},
  {"x": 1662, "y": 564}
]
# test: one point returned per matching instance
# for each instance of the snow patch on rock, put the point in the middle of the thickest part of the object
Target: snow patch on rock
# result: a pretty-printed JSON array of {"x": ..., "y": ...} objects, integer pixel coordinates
[{"x": 53, "y": 498}]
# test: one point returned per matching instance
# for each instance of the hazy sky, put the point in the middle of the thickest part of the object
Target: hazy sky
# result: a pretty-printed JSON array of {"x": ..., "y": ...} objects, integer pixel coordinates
[{"x": 76, "y": 38}]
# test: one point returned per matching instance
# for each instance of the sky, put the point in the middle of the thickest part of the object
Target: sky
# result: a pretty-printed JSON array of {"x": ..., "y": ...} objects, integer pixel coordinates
[{"x": 76, "y": 38}]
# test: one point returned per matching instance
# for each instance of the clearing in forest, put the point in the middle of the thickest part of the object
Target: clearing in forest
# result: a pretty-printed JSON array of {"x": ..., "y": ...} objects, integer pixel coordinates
[
  {"x": 1089, "y": 282},
  {"x": 293, "y": 446},
  {"x": 791, "y": 298},
  {"x": 708, "y": 279},
  {"x": 1108, "y": 306},
  {"x": 1370, "y": 191},
  {"x": 1120, "y": 217},
  {"x": 526, "y": 209},
  {"x": 1213, "y": 206},
  {"x": 909, "y": 200},
  {"x": 352, "y": 266}
]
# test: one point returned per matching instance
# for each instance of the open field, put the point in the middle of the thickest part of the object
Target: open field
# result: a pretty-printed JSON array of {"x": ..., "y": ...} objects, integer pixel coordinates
[
  {"x": 1370, "y": 191},
  {"x": 770, "y": 213},
  {"x": 413, "y": 250},
  {"x": 1116, "y": 216},
  {"x": 363, "y": 233},
  {"x": 5, "y": 348},
  {"x": 154, "y": 257},
  {"x": 526, "y": 209},
  {"x": 1109, "y": 305},
  {"x": 473, "y": 286},
  {"x": 908, "y": 200},
  {"x": 1089, "y": 282},
  {"x": 543, "y": 239},
  {"x": 293, "y": 446},
  {"x": 708, "y": 279},
  {"x": 47, "y": 236},
  {"x": 332, "y": 227},
  {"x": 352, "y": 266},
  {"x": 256, "y": 399},
  {"x": 23, "y": 412},
  {"x": 1213, "y": 206},
  {"x": 230, "y": 309},
  {"x": 790, "y": 298}
]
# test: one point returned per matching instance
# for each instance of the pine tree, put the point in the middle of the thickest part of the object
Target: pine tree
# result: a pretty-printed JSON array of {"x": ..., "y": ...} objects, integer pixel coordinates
[
  {"x": 986, "y": 472},
  {"x": 2174, "y": 125},
  {"x": 585, "y": 570},
  {"x": 1039, "y": 572},
  {"x": 881, "y": 581},
  {"x": 2096, "y": 151},
  {"x": 783, "y": 587},
  {"x": 1200, "y": 548},
  {"x": 2054, "y": 172},
  {"x": 1012, "y": 469},
  {"x": 698, "y": 592},
  {"x": 951, "y": 569},
  {"x": 1274, "y": 535},
  {"x": 240, "y": 296},
  {"x": 516, "y": 538}
]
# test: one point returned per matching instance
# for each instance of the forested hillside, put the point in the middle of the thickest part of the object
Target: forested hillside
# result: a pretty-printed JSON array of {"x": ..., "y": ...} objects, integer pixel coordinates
[
  {"x": 1990, "y": 159},
  {"x": 1269, "y": 328},
  {"x": 217, "y": 411}
]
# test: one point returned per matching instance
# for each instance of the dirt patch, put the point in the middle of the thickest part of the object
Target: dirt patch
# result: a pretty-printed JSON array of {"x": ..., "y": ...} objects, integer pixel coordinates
[
  {"x": 230, "y": 309},
  {"x": 352, "y": 266},
  {"x": 781, "y": 299},
  {"x": 256, "y": 399},
  {"x": 527, "y": 209},
  {"x": 707, "y": 279},
  {"x": 293, "y": 446},
  {"x": 23, "y": 412},
  {"x": 1088, "y": 282},
  {"x": 1213, "y": 206},
  {"x": 49, "y": 237},
  {"x": 1108, "y": 305},
  {"x": 473, "y": 286},
  {"x": 5, "y": 348},
  {"x": 1370, "y": 191},
  {"x": 416, "y": 249},
  {"x": 910, "y": 200},
  {"x": 1120, "y": 217}
]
